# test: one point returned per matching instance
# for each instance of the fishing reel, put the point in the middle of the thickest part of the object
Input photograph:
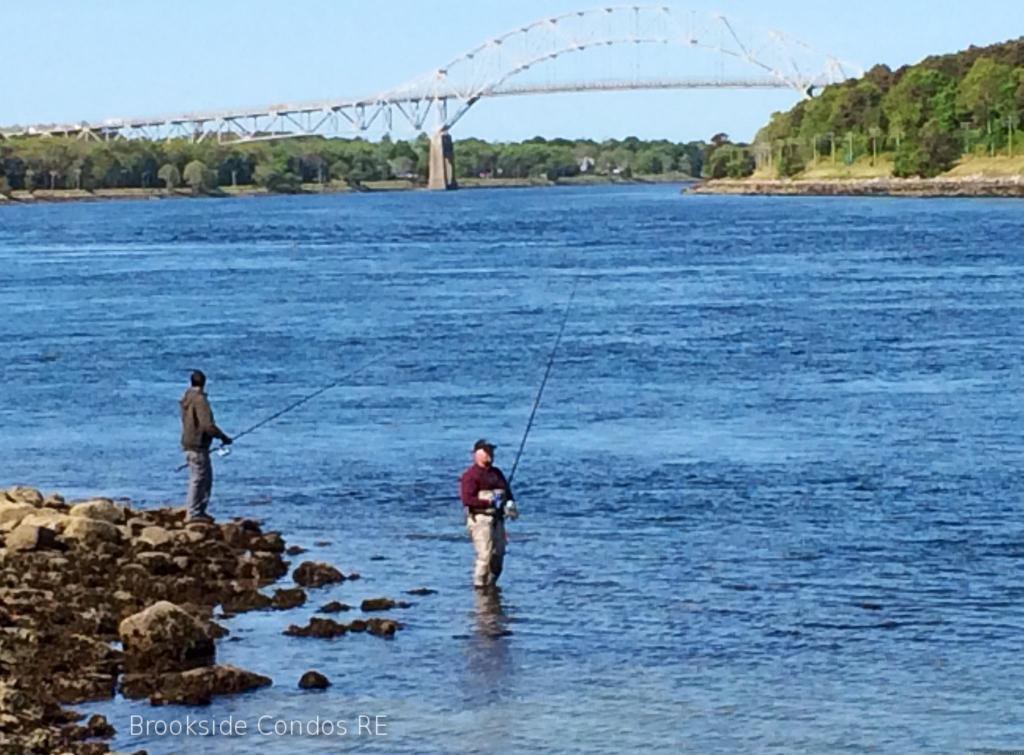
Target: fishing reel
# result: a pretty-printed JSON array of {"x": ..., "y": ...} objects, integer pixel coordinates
[
  {"x": 223, "y": 451},
  {"x": 507, "y": 508}
]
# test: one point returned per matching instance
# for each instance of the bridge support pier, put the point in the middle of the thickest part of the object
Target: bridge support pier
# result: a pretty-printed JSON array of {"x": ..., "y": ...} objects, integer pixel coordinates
[{"x": 442, "y": 162}]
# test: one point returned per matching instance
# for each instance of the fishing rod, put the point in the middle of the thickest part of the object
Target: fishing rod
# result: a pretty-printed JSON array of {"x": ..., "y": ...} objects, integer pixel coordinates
[
  {"x": 544, "y": 381},
  {"x": 224, "y": 450}
]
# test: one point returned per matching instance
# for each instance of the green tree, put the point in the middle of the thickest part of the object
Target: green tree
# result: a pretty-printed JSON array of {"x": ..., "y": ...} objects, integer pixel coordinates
[
  {"x": 935, "y": 151},
  {"x": 275, "y": 176},
  {"x": 197, "y": 176},
  {"x": 170, "y": 176},
  {"x": 987, "y": 93}
]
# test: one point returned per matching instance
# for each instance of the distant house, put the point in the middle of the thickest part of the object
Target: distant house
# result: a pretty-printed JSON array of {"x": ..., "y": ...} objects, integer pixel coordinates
[{"x": 587, "y": 164}]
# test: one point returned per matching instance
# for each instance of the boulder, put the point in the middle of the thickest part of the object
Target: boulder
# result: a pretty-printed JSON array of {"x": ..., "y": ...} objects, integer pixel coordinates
[
  {"x": 314, "y": 680},
  {"x": 382, "y": 627},
  {"x": 136, "y": 524},
  {"x": 421, "y": 591},
  {"x": 322, "y": 628},
  {"x": 29, "y": 537},
  {"x": 334, "y": 607},
  {"x": 164, "y": 638},
  {"x": 272, "y": 542},
  {"x": 155, "y": 537},
  {"x": 54, "y": 501},
  {"x": 193, "y": 687},
  {"x": 240, "y": 533},
  {"x": 157, "y": 563},
  {"x": 54, "y": 520},
  {"x": 12, "y": 514},
  {"x": 295, "y": 550},
  {"x": 22, "y": 494},
  {"x": 243, "y": 599},
  {"x": 99, "y": 727},
  {"x": 312, "y": 574},
  {"x": 285, "y": 599},
  {"x": 261, "y": 565},
  {"x": 99, "y": 508},
  {"x": 91, "y": 531},
  {"x": 382, "y": 604}
]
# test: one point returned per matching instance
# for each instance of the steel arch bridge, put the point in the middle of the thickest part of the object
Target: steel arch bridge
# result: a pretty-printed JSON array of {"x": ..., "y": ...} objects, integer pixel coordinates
[{"x": 537, "y": 58}]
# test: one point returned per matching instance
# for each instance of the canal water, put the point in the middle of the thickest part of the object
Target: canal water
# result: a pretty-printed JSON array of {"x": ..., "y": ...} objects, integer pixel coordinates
[{"x": 771, "y": 502}]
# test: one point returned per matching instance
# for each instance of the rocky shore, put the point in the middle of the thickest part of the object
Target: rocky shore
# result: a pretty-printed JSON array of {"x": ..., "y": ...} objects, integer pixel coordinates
[
  {"x": 966, "y": 186},
  {"x": 98, "y": 598}
]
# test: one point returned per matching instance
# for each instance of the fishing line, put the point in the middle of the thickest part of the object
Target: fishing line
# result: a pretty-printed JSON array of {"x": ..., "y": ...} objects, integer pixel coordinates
[
  {"x": 224, "y": 451},
  {"x": 543, "y": 382}
]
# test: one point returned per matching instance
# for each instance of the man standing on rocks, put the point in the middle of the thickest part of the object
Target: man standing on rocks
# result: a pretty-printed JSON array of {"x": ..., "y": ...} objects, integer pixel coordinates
[
  {"x": 481, "y": 487},
  {"x": 197, "y": 432}
]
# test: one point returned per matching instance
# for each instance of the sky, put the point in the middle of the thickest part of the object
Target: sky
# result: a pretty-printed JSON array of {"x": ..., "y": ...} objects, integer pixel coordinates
[{"x": 72, "y": 60}]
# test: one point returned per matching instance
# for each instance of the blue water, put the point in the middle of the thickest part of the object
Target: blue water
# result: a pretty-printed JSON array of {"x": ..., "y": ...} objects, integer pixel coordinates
[{"x": 771, "y": 503}]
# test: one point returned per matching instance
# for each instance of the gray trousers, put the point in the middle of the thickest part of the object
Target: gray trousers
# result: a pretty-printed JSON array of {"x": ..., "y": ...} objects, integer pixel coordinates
[
  {"x": 200, "y": 482},
  {"x": 488, "y": 536}
]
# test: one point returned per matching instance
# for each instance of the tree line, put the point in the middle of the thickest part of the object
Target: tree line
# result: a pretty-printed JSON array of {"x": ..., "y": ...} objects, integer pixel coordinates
[
  {"x": 31, "y": 163},
  {"x": 924, "y": 117}
]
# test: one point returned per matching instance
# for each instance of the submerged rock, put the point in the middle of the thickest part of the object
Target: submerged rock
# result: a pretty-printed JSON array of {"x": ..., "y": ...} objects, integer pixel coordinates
[
  {"x": 382, "y": 627},
  {"x": 323, "y": 628},
  {"x": 382, "y": 604},
  {"x": 421, "y": 591},
  {"x": 285, "y": 599},
  {"x": 313, "y": 574},
  {"x": 193, "y": 687},
  {"x": 334, "y": 607},
  {"x": 314, "y": 680}
]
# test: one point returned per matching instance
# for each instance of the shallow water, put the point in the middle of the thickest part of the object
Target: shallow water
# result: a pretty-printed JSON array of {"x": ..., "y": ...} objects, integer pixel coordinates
[{"x": 771, "y": 502}]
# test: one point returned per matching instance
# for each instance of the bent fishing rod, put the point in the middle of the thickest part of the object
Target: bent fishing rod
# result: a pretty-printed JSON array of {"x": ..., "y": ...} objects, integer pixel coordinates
[
  {"x": 223, "y": 449},
  {"x": 544, "y": 381}
]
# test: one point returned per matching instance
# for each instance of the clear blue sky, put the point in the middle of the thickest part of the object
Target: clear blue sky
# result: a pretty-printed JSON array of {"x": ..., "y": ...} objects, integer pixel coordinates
[{"x": 66, "y": 61}]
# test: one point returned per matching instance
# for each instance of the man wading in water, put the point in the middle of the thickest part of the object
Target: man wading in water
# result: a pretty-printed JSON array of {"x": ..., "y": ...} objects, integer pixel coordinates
[
  {"x": 485, "y": 494},
  {"x": 197, "y": 432}
]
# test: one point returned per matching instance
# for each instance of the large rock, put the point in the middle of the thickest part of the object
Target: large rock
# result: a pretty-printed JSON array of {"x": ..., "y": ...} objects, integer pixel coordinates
[
  {"x": 334, "y": 607},
  {"x": 193, "y": 687},
  {"x": 22, "y": 494},
  {"x": 12, "y": 514},
  {"x": 155, "y": 537},
  {"x": 91, "y": 531},
  {"x": 29, "y": 537},
  {"x": 314, "y": 680},
  {"x": 99, "y": 508},
  {"x": 272, "y": 542},
  {"x": 382, "y": 604},
  {"x": 286, "y": 599},
  {"x": 48, "y": 518},
  {"x": 313, "y": 574},
  {"x": 164, "y": 638},
  {"x": 323, "y": 628}
]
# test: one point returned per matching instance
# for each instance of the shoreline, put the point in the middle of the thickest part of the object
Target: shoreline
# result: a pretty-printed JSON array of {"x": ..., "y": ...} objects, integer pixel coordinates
[
  {"x": 128, "y": 600},
  {"x": 959, "y": 186},
  {"x": 48, "y": 196}
]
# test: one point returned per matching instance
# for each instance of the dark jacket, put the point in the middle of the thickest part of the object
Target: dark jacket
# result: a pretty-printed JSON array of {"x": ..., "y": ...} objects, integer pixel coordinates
[
  {"x": 197, "y": 426},
  {"x": 476, "y": 479}
]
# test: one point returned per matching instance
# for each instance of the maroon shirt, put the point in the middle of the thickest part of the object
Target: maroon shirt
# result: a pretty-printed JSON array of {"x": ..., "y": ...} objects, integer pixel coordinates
[{"x": 476, "y": 479}]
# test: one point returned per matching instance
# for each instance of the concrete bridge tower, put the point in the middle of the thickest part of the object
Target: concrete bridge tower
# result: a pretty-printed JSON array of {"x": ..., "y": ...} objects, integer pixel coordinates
[{"x": 442, "y": 161}]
